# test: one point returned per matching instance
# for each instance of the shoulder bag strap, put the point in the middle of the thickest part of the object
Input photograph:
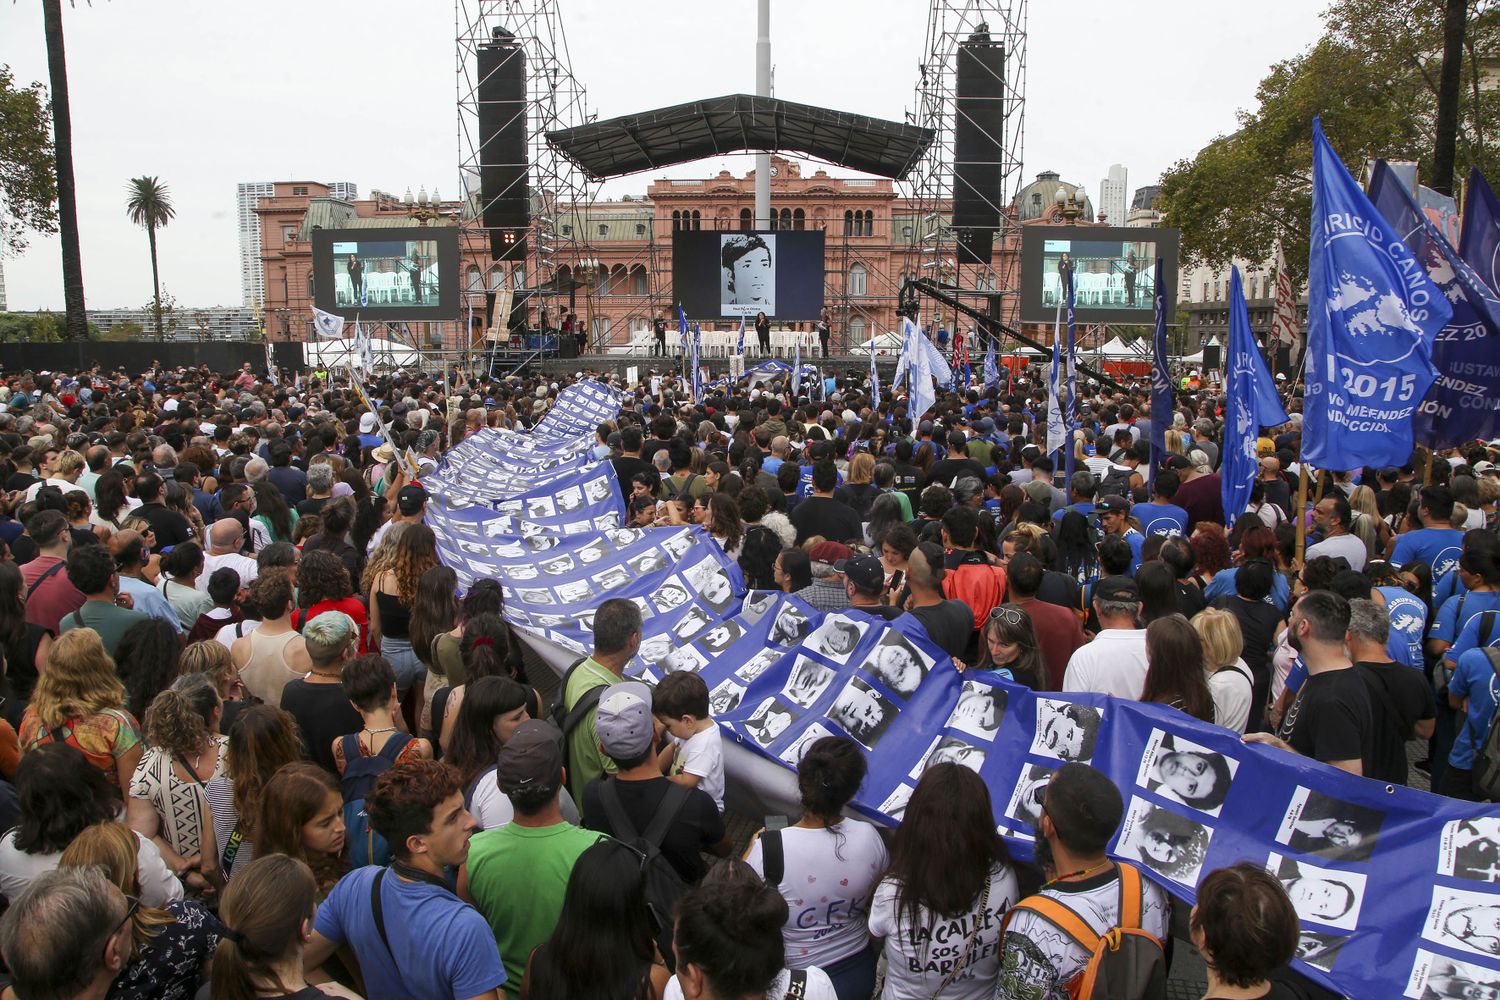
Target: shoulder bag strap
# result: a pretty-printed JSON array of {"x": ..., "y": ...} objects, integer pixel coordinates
[
  {"x": 582, "y": 707},
  {"x": 796, "y": 987},
  {"x": 772, "y": 857},
  {"x": 378, "y": 910},
  {"x": 51, "y": 571},
  {"x": 614, "y": 810},
  {"x": 968, "y": 953},
  {"x": 1064, "y": 918},
  {"x": 1130, "y": 897},
  {"x": 387, "y": 754},
  {"x": 231, "y": 848},
  {"x": 351, "y": 748},
  {"x": 666, "y": 813}
]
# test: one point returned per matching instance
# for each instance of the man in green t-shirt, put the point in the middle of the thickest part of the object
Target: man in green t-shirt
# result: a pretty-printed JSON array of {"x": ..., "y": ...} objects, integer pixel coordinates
[
  {"x": 92, "y": 570},
  {"x": 617, "y": 636},
  {"x": 516, "y": 874}
]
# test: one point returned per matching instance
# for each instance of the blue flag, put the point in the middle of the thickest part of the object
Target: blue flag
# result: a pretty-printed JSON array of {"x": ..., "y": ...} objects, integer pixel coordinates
[
  {"x": 1480, "y": 243},
  {"x": 682, "y": 329},
  {"x": 739, "y": 344},
  {"x": 991, "y": 369},
  {"x": 796, "y": 372},
  {"x": 909, "y": 335},
  {"x": 1070, "y": 402},
  {"x": 1460, "y": 406},
  {"x": 874, "y": 378},
  {"x": 1161, "y": 378},
  {"x": 1251, "y": 402},
  {"x": 1371, "y": 318},
  {"x": 697, "y": 377}
]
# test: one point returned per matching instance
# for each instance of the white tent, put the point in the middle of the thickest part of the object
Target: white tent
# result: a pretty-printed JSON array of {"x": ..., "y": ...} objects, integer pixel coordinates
[
  {"x": 890, "y": 341},
  {"x": 334, "y": 353}
]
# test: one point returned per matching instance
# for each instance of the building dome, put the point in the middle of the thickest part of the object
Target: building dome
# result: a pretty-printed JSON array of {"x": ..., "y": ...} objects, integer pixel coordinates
[
  {"x": 1145, "y": 197},
  {"x": 1038, "y": 199}
]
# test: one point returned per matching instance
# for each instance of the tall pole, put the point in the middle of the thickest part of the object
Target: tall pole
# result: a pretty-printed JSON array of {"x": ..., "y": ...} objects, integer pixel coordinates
[{"x": 763, "y": 89}]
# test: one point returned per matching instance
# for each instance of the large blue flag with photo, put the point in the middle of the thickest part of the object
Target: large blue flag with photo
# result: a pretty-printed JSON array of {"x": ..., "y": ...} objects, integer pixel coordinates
[
  {"x": 1372, "y": 314},
  {"x": 1398, "y": 890}
]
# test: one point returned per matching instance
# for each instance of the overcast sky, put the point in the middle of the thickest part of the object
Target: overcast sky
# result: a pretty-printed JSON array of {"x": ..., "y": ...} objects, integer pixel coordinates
[{"x": 205, "y": 95}]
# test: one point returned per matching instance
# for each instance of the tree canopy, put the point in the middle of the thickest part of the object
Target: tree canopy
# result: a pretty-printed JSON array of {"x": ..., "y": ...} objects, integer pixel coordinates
[
  {"x": 1373, "y": 79},
  {"x": 28, "y": 180}
]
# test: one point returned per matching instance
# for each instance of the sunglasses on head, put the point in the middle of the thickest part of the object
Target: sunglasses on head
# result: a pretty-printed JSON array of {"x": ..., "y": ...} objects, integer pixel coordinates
[{"x": 1011, "y": 616}]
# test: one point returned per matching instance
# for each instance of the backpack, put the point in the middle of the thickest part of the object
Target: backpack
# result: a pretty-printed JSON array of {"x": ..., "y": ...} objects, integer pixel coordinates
[
  {"x": 366, "y": 847},
  {"x": 664, "y": 886},
  {"x": 683, "y": 492},
  {"x": 567, "y": 720},
  {"x": 1116, "y": 482},
  {"x": 1125, "y": 963},
  {"x": 1487, "y": 754}
]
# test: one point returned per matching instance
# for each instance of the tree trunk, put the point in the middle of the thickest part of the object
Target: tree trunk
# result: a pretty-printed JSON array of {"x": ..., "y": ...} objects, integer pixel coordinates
[
  {"x": 155, "y": 281},
  {"x": 1454, "y": 16},
  {"x": 77, "y": 322}
]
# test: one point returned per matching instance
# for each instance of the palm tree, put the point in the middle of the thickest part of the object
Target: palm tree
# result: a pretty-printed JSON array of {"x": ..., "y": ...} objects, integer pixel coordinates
[
  {"x": 77, "y": 326},
  {"x": 150, "y": 205}
]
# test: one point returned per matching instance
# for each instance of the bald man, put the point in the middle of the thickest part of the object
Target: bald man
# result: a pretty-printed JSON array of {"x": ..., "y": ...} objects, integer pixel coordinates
[{"x": 225, "y": 536}]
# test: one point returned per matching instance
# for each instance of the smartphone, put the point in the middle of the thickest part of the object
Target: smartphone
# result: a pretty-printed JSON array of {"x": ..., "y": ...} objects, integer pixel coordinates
[{"x": 776, "y": 823}]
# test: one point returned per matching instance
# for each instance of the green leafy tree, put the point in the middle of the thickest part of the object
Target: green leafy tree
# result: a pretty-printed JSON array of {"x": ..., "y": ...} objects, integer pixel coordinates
[
  {"x": 1373, "y": 79},
  {"x": 150, "y": 206},
  {"x": 28, "y": 183},
  {"x": 127, "y": 330}
]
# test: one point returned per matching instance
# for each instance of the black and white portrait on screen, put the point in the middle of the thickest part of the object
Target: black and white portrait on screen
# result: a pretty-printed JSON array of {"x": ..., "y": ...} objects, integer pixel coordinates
[{"x": 747, "y": 264}]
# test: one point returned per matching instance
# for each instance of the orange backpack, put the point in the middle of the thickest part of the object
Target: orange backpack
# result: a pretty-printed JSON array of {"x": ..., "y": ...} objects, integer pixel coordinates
[{"x": 1125, "y": 963}]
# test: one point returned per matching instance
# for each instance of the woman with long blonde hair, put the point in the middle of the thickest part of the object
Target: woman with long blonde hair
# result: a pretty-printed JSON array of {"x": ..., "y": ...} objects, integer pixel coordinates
[
  {"x": 170, "y": 946},
  {"x": 80, "y": 701},
  {"x": 1229, "y": 680},
  {"x": 392, "y": 594}
]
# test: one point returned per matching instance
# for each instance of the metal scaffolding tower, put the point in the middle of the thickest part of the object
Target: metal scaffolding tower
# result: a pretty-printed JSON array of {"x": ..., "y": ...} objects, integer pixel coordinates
[
  {"x": 555, "y": 99},
  {"x": 934, "y": 253}
]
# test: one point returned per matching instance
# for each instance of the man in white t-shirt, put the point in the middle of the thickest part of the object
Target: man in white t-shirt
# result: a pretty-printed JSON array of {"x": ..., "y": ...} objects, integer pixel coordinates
[
  {"x": 1115, "y": 662},
  {"x": 1080, "y": 813},
  {"x": 1333, "y": 517}
]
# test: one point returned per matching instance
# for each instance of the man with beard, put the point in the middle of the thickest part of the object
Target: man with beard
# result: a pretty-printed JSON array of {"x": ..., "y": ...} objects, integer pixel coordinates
[
  {"x": 1330, "y": 720},
  {"x": 1040, "y": 957}
]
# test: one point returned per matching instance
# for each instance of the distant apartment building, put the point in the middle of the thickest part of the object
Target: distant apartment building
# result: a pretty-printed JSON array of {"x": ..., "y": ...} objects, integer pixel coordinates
[{"x": 248, "y": 196}]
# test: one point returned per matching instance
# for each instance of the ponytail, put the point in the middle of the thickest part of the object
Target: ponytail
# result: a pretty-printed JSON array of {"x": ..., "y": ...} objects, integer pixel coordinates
[{"x": 262, "y": 913}]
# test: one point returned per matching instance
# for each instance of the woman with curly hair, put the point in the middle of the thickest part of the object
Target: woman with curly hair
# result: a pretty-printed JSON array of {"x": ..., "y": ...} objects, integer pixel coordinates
[
  {"x": 1210, "y": 553},
  {"x": 80, "y": 701},
  {"x": 302, "y": 816},
  {"x": 323, "y": 585},
  {"x": 262, "y": 741},
  {"x": 392, "y": 594},
  {"x": 181, "y": 796},
  {"x": 1256, "y": 542},
  {"x": 146, "y": 661}
]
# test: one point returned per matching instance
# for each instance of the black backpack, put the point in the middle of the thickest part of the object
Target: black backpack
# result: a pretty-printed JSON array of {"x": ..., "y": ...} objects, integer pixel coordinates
[
  {"x": 1116, "y": 483},
  {"x": 567, "y": 720},
  {"x": 664, "y": 886}
]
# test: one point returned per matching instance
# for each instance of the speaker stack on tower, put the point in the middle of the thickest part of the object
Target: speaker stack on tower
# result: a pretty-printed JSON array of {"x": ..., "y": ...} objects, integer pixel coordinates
[
  {"x": 978, "y": 142},
  {"x": 505, "y": 200}
]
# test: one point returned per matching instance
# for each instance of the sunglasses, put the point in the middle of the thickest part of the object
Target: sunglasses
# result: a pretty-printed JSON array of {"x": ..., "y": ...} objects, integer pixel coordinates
[
  {"x": 1011, "y": 616},
  {"x": 130, "y": 911}
]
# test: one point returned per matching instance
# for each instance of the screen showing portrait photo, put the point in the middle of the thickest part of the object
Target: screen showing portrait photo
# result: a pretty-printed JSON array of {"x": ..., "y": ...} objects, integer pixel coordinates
[
  {"x": 387, "y": 274},
  {"x": 1114, "y": 273},
  {"x": 723, "y": 276}
]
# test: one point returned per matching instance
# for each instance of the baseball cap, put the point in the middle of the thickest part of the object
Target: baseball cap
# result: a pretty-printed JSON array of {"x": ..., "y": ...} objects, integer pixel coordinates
[
  {"x": 1113, "y": 504},
  {"x": 1480, "y": 468},
  {"x": 1039, "y": 490},
  {"x": 411, "y": 498},
  {"x": 1179, "y": 462},
  {"x": 830, "y": 552},
  {"x": 623, "y": 720},
  {"x": 531, "y": 758},
  {"x": 864, "y": 571},
  {"x": 984, "y": 425},
  {"x": 1116, "y": 588},
  {"x": 367, "y": 423}
]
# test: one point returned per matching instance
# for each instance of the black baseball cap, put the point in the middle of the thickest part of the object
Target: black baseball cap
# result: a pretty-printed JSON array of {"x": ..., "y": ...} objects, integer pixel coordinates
[
  {"x": 863, "y": 571},
  {"x": 1179, "y": 462},
  {"x": 411, "y": 498},
  {"x": 1115, "y": 504},
  {"x": 1116, "y": 588}
]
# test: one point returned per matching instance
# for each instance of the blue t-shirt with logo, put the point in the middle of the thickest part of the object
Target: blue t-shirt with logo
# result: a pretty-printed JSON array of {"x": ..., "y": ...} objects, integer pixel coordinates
[
  {"x": 804, "y": 481},
  {"x": 1408, "y": 626},
  {"x": 1438, "y": 548},
  {"x": 1468, "y": 636},
  {"x": 1160, "y": 518},
  {"x": 442, "y": 946},
  {"x": 1456, "y": 612},
  {"x": 1475, "y": 680}
]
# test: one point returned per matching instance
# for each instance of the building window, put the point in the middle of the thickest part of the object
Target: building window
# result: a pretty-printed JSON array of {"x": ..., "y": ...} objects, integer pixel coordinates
[
  {"x": 747, "y": 220},
  {"x": 849, "y": 224},
  {"x": 567, "y": 230},
  {"x": 603, "y": 229},
  {"x": 697, "y": 220},
  {"x": 1217, "y": 285},
  {"x": 676, "y": 221},
  {"x": 640, "y": 229},
  {"x": 311, "y": 291},
  {"x": 856, "y": 329},
  {"x": 869, "y": 223},
  {"x": 799, "y": 219},
  {"x": 288, "y": 233},
  {"x": 638, "y": 281},
  {"x": 299, "y": 189},
  {"x": 857, "y": 282},
  {"x": 783, "y": 219},
  {"x": 474, "y": 280}
]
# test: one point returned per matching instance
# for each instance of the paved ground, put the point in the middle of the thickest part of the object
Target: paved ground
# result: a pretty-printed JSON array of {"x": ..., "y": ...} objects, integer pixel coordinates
[{"x": 1186, "y": 980}]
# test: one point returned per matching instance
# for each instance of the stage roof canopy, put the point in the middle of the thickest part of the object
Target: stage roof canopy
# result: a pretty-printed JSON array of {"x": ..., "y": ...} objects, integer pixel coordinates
[{"x": 737, "y": 123}]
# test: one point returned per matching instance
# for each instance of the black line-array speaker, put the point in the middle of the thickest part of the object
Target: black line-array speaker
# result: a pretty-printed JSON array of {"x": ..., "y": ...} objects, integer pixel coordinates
[
  {"x": 978, "y": 147},
  {"x": 504, "y": 197},
  {"x": 1212, "y": 357}
]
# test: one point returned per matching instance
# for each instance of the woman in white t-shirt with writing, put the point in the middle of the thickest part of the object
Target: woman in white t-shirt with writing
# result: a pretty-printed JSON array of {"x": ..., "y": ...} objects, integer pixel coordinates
[
  {"x": 943, "y": 900},
  {"x": 826, "y": 867}
]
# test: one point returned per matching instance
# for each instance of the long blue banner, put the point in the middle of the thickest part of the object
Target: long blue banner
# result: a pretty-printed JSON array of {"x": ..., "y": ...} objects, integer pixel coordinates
[{"x": 1396, "y": 888}]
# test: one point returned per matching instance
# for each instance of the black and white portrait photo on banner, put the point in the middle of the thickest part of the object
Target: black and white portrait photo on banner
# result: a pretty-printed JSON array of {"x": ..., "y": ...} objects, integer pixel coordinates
[
  {"x": 1065, "y": 731},
  {"x": 1322, "y": 950},
  {"x": 1181, "y": 771},
  {"x": 1315, "y": 823},
  {"x": 669, "y": 596},
  {"x": 837, "y": 637},
  {"x": 789, "y": 628},
  {"x": 757, "y": 664},
  {"x": 1327, "y": 896},
  {"x": 807, "y": 681},
  {"x": 747, "y": 284},
  {"x": 684, "y": 658},
  {"x": 648, "y": 562},
  {"x": 980, "y": 710},
  {"x": 898, "y": 664},
  {"x": 1167, "y": 842},
  {"x": 793, "y": 753},
  {"x": 1463, "y": 919},
  {"x": 894, "y": 805},
  {"x": 863, "y": 712},
  {"x": 756, "y": 604},
  {"x": 692, "y": 624},
  {"x": 725, "y": 698},
  {"x": 1470, "y": 849},
  {"x": 771, "y": 718},
  {"x": 1437, "y": 977},
  {"x": 1025, "y": 806},
  {"x": 949, "y": 750},
  {"x": 721, "y": 637},
  {"x": 575, "y": 592}
]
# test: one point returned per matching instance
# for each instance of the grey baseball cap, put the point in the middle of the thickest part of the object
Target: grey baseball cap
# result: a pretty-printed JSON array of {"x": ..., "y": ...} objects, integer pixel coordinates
[{"x": 623, "y": 720}]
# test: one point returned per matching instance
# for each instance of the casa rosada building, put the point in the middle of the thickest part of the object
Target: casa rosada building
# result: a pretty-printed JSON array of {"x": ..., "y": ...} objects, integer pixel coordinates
[{"x": 611, "y": 261}]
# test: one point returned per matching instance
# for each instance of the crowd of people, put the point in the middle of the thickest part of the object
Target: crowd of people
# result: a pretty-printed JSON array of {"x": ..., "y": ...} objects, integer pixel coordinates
[{"x": 255, "y": 743}]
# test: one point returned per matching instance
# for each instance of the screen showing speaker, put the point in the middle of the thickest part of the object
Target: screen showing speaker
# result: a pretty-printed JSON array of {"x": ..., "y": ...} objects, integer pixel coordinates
[
  {"x": 408, "y": 273},
  {"x": 1114, "y": 272},
  {"x": 718, "y": 275}
]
